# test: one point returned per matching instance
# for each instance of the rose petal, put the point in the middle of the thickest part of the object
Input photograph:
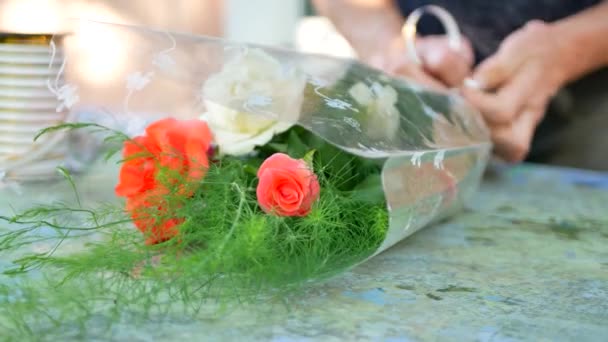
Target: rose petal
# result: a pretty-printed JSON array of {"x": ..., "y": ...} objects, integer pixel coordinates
[
  {"x": 177, "y": 146},
  {"x": 151, "y": 218},
  {"x": 287, "y": 187},
  {"x": 288, "y": 205},
  {"x": 157, "y": 131},
  {"x": 282, "y": 161},
  {"x": 197, "y": 147},
  {"x": 135, "y": 177}
]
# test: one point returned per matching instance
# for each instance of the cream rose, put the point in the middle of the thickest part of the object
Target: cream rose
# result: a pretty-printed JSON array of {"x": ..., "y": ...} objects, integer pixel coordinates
[
  {"x": 383, "y": 118},
  {"x": 269, "y": 93}
]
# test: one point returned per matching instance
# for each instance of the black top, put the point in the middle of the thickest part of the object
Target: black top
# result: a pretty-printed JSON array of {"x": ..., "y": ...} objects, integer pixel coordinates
[{"x": 487, "y": 22}]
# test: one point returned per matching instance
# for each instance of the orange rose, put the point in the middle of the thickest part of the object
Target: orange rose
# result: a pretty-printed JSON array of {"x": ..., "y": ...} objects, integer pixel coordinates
[
  {"x": 287, "y": 186},
  {"x": 178, "y": 150},
  {"x": 138, "y": 171},
  {"x": 152, "y": 216}
]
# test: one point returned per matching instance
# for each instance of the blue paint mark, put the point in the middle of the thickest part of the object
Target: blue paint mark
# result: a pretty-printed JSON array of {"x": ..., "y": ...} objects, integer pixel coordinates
[
  {"x": 489, "y": 328},
  {"x": 288, "y": 339},
  {"x": 521, "y": 174},
  {"x": 493, "y": 298},
  {"x": 590, "y": 179},
  {"x": 487, "y": 333},
  {"x": 397, "y": 339},
  {"x": 375, "y": 296},
  {"x": 378, "y": 296},
  {"x": 518, "y": 175},
  {"x": 570, "y": 255}
]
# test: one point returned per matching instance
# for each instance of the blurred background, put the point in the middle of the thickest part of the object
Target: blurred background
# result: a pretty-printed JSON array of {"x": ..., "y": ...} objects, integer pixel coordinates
[
  {"x": 288, "y": 23},
  {"x": 29, "y": 103},
  {"x": 274, "y": 22}
]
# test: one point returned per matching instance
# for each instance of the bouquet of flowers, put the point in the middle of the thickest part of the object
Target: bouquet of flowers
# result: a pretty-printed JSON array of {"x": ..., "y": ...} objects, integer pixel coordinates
[{"x": 270, "y": 169}]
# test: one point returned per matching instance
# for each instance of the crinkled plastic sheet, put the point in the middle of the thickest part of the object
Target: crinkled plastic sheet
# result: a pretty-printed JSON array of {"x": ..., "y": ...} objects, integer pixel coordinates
[{"x": 434, "y": 146}]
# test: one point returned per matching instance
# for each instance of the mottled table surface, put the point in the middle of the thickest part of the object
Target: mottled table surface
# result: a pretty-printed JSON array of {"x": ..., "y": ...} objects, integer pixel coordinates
[{"x": 527, "y": 260}]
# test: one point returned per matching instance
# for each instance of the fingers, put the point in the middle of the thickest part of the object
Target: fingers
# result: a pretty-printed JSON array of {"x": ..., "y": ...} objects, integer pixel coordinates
[
  {"x": 415, "y": 73},
  {"x": 395, "y": 61},
  {"x": 525, "y": 89},
  {"x": 513, "y": 113},
  {"x": 443, "y": 62},
  {"x": 441, "y": 67},
  {"x": 513, "y": 51},
  {"x": 512, "y": 141},
  {"x": 465, "y": 53},
  {"x": 495, "y": 70},
  {"x": 516, "y": 85}
]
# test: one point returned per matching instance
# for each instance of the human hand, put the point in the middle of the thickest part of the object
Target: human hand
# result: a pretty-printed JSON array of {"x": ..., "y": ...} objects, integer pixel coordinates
[
  {"x": 517, "y": 84},
  {"x": 441, "y": 67}
]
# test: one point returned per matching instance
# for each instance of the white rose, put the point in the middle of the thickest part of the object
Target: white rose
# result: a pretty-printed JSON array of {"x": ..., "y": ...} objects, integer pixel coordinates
[
  {"x": 383, "y": 118},
  {"x": 269, "y": 93}
]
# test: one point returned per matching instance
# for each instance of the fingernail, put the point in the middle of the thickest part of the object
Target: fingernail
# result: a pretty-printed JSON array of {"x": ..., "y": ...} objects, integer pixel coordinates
[{"x": 473, "y": 83}]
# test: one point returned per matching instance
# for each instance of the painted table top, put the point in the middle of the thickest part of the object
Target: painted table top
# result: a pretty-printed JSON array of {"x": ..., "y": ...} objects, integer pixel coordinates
[{"x": 527, "y": 260}]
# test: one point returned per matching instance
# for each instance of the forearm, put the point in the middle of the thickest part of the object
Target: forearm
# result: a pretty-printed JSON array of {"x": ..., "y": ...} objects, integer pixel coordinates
[
  {"x": 584, "y": 40},
  {"x": 370, "y": 26}
]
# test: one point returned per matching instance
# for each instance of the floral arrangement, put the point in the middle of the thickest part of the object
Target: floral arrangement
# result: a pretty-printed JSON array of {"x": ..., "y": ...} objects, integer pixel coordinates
[
  {"x": 278, "y": 169},
  {"x": 238, "y": 204},
  {"x": 167, "y": 166}
]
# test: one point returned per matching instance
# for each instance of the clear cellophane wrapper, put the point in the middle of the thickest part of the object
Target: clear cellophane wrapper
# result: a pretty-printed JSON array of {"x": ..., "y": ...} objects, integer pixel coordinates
[
  {"x": 432, "y": 161},
  {"x": 432, "y": 147}
]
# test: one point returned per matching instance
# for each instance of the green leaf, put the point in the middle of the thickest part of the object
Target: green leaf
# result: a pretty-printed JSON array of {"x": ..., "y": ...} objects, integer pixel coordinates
[
  {"x": 14, "y": 271},
  {"x": 370, "y": 190},
  {"x": 296, "y": 148},
  {"x": 315, "y": 141},
  {"x": 79, "y": 125},
  {"x": 250, "y": 169},
  {"x": 111, "y": 153},
  {"x": 278, "y": 147},
  {"x": 309, "y": 158},
  {"x": 65, "y": 173},
  {"x": 338, "y": 165}
]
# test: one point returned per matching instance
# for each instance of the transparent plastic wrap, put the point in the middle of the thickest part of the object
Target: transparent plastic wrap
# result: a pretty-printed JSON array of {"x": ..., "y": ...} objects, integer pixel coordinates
[
  {"x": 434, "y": 145},
  {"x": 429, "y": 150}
]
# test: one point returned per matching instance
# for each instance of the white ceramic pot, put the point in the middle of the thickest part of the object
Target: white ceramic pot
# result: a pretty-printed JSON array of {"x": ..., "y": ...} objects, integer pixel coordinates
[
  {"x": 45, "y": 71},
  {"x": 31, "y": 116},
  {"x": 26, "y": 93},
  {"x": 31, "y": 128},
  {"x": 39, "y": 170},
  {"x": 32, "y": 82},
  {"x": 46, "y": 105},
  {"x": 26, "y": 48}
]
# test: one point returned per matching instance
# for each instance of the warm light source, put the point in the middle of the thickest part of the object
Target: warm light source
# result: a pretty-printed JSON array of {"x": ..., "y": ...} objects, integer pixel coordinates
[
  {"x": 31, "y": 16},
  {"x": 318, "y": 35},
  {"x": 98, "y": 49},
  {"x": 100, "y": 52}
]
